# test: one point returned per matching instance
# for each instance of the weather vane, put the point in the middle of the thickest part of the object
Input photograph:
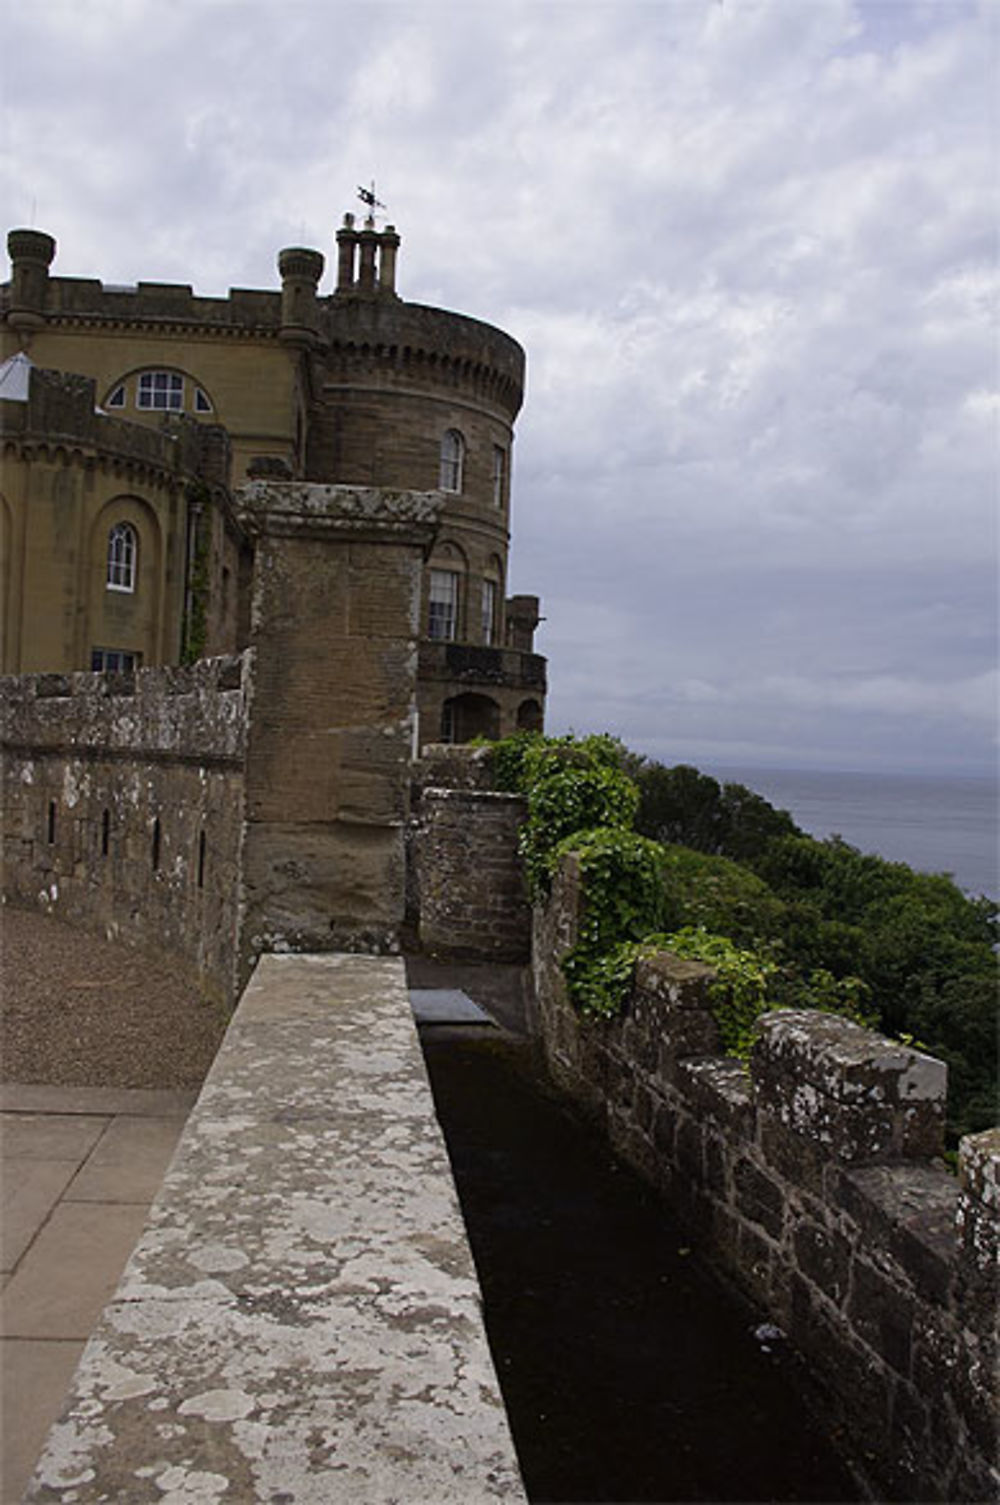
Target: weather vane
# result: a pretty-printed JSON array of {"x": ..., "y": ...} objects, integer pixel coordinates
[{"x": 367, "y": 196}]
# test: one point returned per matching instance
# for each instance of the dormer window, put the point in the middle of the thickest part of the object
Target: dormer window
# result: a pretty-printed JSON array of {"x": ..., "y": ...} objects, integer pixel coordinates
[
  {"x": 122, "y": 553},
  {"x": 162, "y": 390},
  {"x": 452, "y": 460}
]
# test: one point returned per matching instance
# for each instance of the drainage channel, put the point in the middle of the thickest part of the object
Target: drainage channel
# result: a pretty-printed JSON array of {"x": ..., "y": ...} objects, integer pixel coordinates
[{"x": 629, "y": 1372}]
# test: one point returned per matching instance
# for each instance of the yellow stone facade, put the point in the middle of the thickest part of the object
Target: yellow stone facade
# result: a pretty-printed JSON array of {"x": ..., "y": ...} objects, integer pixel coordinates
[{"x": 129, "y": 415}]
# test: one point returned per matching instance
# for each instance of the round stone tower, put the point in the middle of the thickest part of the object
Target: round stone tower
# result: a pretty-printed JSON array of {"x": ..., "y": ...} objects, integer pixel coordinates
[{"x": 411, "y": 396}]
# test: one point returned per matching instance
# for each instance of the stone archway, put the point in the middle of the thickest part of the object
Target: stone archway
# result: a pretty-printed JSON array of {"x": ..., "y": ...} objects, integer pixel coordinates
[
  {"x": 529, "y": 716},
  {"x": 466, "y": 716}
]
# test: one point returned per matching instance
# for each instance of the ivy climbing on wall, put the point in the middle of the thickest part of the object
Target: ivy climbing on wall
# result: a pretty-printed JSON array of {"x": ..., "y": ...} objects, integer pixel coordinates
[
  {"x": 582, "y": 802},
  {"x": 195, "y": 630}
]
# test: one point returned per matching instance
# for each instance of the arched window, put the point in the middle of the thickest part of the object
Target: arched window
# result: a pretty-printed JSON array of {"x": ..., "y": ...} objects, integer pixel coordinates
[
  {"x": 442, "y": 606},
  {"x": 159, "y": 391},
  {"x": 452, "y": 460},
  {"x": 122, "y": 551}
]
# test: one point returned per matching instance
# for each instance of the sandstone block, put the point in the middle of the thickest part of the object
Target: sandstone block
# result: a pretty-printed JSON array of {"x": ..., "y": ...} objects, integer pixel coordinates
[{"x": 862, "y": 1098}]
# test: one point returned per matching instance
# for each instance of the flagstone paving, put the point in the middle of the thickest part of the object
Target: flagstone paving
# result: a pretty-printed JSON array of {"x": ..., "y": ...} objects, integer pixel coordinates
[{"x": 79, "y": 1168}]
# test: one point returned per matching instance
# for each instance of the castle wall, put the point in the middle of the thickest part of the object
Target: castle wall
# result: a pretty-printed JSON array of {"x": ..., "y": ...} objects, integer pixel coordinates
[
  {"x": 229, "y": 347},
  {"x": 471, "y": 691},
  {"x": 123, "y": 804},
  {"x": 357, "y": 388},
  {"x": 335, "y": 622},
  {"x": 71, "y": 474},
  {"x": 815, "y": 1182},
  {"x": 466, "y": 897}
]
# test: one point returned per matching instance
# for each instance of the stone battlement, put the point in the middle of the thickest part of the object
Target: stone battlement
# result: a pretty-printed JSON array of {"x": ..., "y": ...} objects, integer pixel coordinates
[
  {"x": 193, "y": 714},
  {"x": 815, "y": 1180},
  {"x": 243, "y": 310},
  {"x": 61, "y": 420}
]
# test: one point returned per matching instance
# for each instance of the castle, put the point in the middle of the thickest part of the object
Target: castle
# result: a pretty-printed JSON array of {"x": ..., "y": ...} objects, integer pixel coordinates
[
  {"x": 130, "y": 414},
  {"x": 277, "y": 523}
]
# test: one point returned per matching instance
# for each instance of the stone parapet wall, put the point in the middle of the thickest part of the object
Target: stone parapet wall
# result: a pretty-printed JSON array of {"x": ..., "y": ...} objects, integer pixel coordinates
[
  {"x": 61, "y": 416},
  {"x": 815, "y": 1181},
  {"x": 123, "y": 804},
  {"x": 162, "y": 302},
  {"x": 195, "y": 713},
  {"x": 472, "y": 899},
  {"x": 301, "y": 1319},
  {"x": 465, "y": 888}
]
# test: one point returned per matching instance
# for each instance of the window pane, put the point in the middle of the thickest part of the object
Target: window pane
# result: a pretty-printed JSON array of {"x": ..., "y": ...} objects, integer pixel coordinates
[
  {"x": 114, "y": 660},
  {"x": 452, "y": 453},
  {"x": 489, "y": 610},
  {"x": 442, "y": 617},
  {"x": 499, "y": 474},
  {"x": 121, "y": 558},
  {"x": 161, "y": 390}
]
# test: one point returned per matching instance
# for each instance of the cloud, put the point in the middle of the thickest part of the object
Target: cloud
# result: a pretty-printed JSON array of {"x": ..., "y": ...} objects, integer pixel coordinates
[{"x": 749, "y": 247}]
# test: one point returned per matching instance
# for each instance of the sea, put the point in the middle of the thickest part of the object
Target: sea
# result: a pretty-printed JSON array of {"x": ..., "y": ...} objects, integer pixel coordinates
[{"x": 936, "y": 824}]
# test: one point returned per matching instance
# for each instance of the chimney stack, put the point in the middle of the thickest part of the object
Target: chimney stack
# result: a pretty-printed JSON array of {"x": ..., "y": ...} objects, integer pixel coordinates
[
  {"x": 347, "y": 240},
  {"x": 366, "y": 260}
]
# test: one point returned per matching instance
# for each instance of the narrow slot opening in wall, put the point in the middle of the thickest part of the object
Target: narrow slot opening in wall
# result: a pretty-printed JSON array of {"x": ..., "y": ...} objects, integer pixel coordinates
[
  {"x": 202, "y": 844},
  {"x": 105, "y": 832},
  {"x": 156, "y": 844},
  {"x": 52, "y": 822}
]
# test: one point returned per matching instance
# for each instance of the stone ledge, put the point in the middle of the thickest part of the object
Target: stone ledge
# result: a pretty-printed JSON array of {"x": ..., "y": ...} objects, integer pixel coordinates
[{"x": 300, "y": 1319}]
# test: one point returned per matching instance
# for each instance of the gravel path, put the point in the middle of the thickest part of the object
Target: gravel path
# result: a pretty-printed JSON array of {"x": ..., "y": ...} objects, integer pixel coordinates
[{"x": 79, "y": 1011}]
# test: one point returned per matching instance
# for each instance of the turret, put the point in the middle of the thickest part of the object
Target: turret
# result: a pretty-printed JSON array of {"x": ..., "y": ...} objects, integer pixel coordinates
[
  {"x": 300, "y": 271},
  {"x": 522, "y": 619},
  {"x": 31, "y": 253}
]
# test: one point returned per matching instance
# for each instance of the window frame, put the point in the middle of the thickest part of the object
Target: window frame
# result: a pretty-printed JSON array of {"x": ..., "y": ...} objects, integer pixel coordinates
[
  {"x": 451, "y": 461},
  {"x": 488, "y": 613},
  {"x": 127, "y": 660},
  {"x": 499, "y": 476},
  {"x": 158, "y": 381},
  {"x": 442, "y": 610},
  {"x": 121, "y": 563}
]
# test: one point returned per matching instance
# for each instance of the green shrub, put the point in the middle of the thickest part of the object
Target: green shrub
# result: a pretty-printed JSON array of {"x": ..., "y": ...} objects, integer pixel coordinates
[
  {"x": 565, "y": 797},
  {"x": 683, "y": 806},
  {"x": 793, "y": 921},
  {"x": 719, "y": 895}
]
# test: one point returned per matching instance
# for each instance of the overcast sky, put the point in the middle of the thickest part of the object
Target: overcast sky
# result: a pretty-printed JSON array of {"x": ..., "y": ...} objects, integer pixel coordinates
[{"x": 750, "y": 247}]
